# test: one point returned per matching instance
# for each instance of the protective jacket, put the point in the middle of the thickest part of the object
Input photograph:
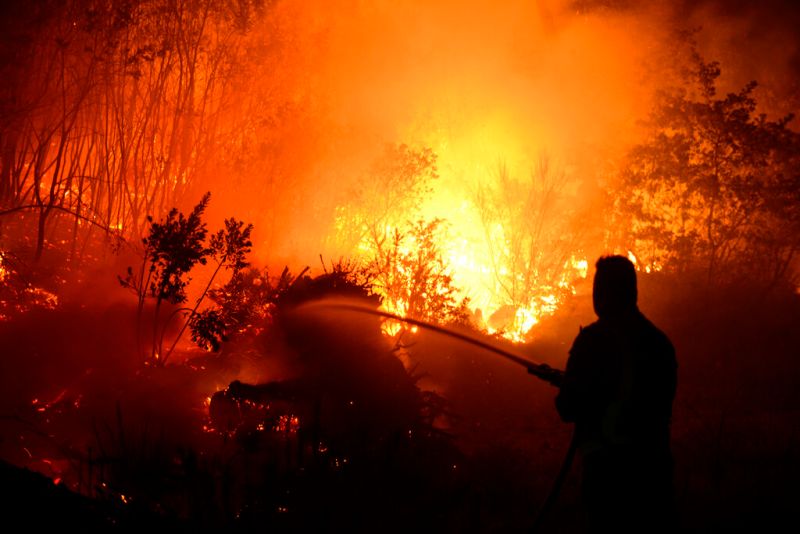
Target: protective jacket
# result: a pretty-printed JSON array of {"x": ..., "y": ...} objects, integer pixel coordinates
[{"x": 618, "y": 389}]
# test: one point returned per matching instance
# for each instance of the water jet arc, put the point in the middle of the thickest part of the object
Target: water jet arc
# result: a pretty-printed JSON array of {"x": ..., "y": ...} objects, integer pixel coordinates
[{"x": 540, "y": 370}]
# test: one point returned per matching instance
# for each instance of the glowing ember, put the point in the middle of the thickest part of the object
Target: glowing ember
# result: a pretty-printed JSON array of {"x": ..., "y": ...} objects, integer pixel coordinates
[{"x": 288, "y": 424}]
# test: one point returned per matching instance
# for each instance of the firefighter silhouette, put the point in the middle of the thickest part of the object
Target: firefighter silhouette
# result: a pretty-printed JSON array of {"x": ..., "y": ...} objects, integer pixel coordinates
[{"x": 618, "y": 389}]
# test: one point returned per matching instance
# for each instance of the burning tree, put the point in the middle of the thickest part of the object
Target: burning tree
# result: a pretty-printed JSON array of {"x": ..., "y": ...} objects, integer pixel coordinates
[
  {"x": 403, "y": 260},
  {"x": 395, "y": 185},
  {"x": 113, "y": 109},
  {"x": 409, "y": 272},
  {"x": 714, "y": 186},
  {"x": 529, "y": 230}
]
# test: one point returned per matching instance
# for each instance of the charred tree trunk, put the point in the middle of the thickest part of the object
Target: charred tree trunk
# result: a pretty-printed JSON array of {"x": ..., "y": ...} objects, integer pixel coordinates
[{"x": 40, "y": 232}]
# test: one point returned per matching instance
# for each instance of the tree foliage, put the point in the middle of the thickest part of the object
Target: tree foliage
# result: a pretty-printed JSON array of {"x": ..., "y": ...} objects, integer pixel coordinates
[
  {"x": 229, "y": 248},
  {"x": 172, "y": 248},
  {"x": 251, "y": 298},
  {"x": 715, "y": 186},
  {"x": 113, "y": 110},
  {"x": 530, "y": 232},
  {"x": 395, "y": 185},
  {"x": 403, "y": 261},
  {"x": 408, "y": 270}
]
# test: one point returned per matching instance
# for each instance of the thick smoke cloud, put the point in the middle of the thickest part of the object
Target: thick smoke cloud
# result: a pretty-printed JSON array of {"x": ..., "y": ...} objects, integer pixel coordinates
[{"x": 480, "y": 84}]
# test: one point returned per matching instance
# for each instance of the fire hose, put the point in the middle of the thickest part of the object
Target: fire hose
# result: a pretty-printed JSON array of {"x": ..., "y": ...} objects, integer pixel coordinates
[{"x": 542, "y": 371}]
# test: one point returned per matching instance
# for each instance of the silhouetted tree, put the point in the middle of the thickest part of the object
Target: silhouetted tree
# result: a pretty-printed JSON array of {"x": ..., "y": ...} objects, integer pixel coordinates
[
  {"x": 243, "y": 303},
  {"x": 714, "y": 185},
  {"x": 228, "y": 248},
  {"x": 173, "y": 247}
]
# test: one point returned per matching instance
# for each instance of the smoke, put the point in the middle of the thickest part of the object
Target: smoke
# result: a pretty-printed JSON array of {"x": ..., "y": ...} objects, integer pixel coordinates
[
  {"x": 477, "y": 83},
  {"x": 755, "y": 41},
  {"x": 327, "y": 85},
  {"x": 481, "y": 84}
]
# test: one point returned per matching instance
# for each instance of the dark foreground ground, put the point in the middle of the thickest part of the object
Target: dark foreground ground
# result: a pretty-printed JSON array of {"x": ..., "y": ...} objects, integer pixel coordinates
[{"x": 128, "y": 447}]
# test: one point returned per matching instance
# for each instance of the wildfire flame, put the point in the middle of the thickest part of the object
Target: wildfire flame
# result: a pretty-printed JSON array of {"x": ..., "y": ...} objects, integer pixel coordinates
[{"x": 3, "y": 270}]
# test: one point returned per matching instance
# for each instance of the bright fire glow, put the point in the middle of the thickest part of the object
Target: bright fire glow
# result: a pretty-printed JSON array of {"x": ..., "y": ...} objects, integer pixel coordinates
[
  {"x": 3, "y": 270},
  {"x": 506, "y": 268}
]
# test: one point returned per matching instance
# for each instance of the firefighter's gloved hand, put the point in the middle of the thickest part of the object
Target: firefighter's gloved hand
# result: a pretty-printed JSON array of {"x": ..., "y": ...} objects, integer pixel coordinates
[{"x": 547, "y": 373}]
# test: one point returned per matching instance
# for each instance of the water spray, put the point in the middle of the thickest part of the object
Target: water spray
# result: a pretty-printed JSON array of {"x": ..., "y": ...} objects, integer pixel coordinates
[{"x": 540, "y": 370}]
